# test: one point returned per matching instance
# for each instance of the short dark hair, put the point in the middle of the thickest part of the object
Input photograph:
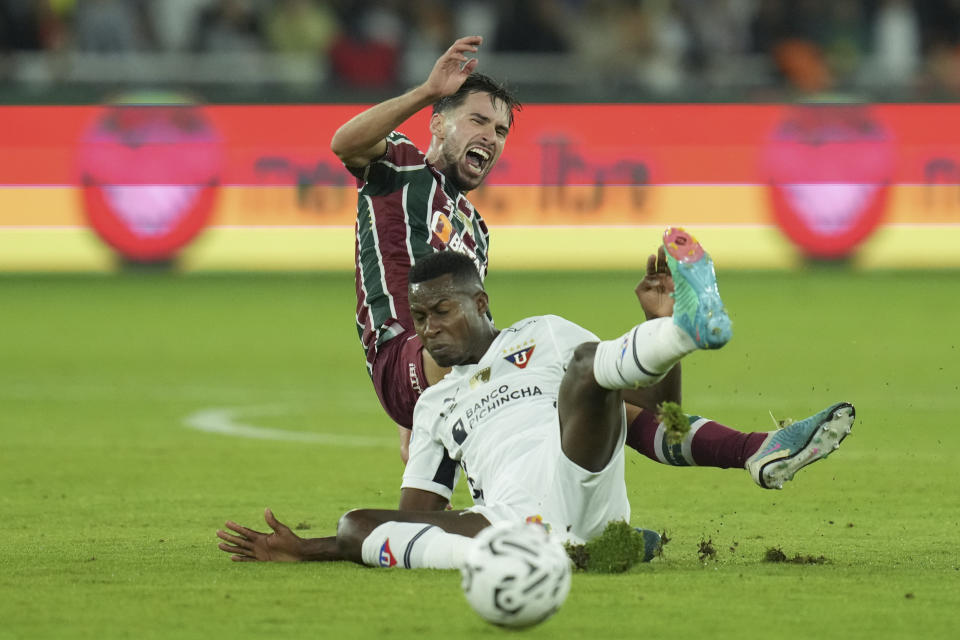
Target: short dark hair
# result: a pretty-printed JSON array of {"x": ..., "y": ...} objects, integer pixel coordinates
[
  {"x": 440, "y": 263},
  {"x": 477, "y": 82}
]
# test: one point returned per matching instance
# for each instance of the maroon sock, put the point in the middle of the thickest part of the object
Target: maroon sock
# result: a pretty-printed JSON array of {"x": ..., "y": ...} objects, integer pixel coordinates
[
  {"x": 715, "y": 445},
  {"x": 642, "y": 433},
  {"x": 712, "y": 444}
]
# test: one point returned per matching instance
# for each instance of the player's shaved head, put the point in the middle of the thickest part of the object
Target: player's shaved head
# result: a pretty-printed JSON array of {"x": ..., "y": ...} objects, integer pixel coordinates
[
  {"x": 449, "y": 308},
  {"x": 462, "y": 269}
]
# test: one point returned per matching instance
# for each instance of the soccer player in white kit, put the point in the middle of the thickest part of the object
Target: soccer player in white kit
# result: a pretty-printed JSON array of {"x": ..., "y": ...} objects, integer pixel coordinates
[
  {"x": 499, "y": 419},
  {"x": 534, "y": 416}
]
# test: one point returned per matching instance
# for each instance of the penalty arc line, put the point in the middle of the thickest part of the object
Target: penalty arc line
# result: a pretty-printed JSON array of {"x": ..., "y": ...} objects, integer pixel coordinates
[{"x": 224, "y": 421}]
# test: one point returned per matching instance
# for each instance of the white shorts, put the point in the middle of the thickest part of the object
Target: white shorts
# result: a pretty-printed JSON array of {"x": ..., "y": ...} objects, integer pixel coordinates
[{"x": 575, "y": 503}]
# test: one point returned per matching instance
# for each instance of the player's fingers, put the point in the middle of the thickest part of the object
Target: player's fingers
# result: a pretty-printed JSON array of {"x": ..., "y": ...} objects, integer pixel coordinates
[
  {"x": 459, "y": 49},
  {"x": 272, "y": 521},
  {"x": 651, "y": 264},
  {"x": 245, "y": 532},
  {"x": 473, "y": 41},
  {"x": 243, "y": 543},
  {"x": 462, "y": 50},
  {"x": 243, "y": 559},
  {"x": 470, "y": 65},
  {"x": 223, "y": 535},
  {"x": 451, "y": 57},
  {"x": 236, "y": 552},
  {"x": 662, "y": 266}
]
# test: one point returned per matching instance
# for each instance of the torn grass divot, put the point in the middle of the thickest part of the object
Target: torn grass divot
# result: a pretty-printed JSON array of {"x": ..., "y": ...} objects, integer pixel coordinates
[
  {"x": 674, "y": 421},
  {"x": 616, "y": 550}
]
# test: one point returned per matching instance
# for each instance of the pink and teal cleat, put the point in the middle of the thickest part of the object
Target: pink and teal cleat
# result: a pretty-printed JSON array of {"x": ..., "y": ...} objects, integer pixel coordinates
[
  {"x": 793, "y": 447},
  {"x": 697, "y": 308}
]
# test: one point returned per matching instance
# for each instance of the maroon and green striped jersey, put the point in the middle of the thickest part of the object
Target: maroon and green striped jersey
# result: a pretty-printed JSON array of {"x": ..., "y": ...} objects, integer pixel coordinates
[{"x": 406, "y": 209}]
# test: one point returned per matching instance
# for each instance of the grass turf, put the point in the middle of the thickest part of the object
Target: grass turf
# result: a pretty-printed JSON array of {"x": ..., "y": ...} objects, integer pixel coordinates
[{"x": 109, "y": 502}]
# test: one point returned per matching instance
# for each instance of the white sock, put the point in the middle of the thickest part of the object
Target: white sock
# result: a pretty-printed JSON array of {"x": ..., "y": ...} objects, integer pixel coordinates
[
  {"x": 642, "y": 356},
  {"x": 412, "y": 545}
]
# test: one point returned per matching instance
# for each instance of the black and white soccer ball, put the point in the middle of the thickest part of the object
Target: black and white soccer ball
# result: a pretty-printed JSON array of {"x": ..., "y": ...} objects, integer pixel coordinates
[{"x": 515, "y": 575}]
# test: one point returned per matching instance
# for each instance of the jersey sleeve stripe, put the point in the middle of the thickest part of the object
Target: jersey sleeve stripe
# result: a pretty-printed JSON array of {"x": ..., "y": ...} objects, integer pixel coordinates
[
  {"x": 408, "y": 229},
  {"x": 409, "y": 167},
  {"x": 446, "y": 471},
  {"x": 380, "y": 271}
]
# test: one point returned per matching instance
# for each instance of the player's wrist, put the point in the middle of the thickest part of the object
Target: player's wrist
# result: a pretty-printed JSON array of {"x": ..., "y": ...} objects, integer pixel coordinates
[
  {"x": 318, "y": 549},
  {"x": 425, "y": 94}
]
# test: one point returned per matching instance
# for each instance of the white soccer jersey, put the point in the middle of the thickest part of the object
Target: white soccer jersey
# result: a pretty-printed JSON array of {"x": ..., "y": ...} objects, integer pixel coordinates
[{"x": 498, "y": 420}]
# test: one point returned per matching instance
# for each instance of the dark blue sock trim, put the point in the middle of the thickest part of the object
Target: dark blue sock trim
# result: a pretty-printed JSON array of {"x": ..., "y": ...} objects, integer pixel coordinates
[
  {"x": 409, "y": 549},
  {"x": 637, "y": 360}
]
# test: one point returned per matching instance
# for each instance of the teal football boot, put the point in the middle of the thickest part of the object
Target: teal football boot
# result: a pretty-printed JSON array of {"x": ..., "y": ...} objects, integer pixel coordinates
[
  {"x": 697, "y": 308},
  {"x": 793, "y": 447}
]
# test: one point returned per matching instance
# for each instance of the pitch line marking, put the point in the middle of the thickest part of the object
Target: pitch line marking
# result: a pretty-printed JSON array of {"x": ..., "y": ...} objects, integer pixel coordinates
[{"x": 224, "y": 421}]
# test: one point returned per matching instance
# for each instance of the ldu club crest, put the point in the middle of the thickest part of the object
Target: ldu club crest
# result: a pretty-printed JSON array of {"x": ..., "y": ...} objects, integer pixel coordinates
[{"x": 521, "y": 358}]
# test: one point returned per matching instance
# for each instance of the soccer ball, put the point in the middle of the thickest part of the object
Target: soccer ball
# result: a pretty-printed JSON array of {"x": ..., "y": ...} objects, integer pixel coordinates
[{"x": 515, "y": 575}]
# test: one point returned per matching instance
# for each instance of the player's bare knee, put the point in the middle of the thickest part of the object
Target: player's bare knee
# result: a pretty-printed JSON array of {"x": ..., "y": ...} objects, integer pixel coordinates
[
  {"x": 580, "y": 367},
  {"x": 579, "y": 378},
  {"x": 352, "y": 529}
]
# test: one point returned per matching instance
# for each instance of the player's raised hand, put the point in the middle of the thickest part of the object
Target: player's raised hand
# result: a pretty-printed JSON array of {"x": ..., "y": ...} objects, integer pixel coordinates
[
  {"x": 283, "y": 545},
  {"x": 654, "y": 290},
  {"x": 453, "y": 67}
]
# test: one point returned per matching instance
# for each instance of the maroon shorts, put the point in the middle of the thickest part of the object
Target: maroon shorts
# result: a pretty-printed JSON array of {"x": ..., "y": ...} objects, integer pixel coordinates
[{"x": 398, "y": 376}]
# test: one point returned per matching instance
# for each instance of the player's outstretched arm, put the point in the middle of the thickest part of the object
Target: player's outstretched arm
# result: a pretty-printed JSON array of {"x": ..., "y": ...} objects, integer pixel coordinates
[
  {"x": 362, "y": 139},
  {"x": 282, "y": 545}
]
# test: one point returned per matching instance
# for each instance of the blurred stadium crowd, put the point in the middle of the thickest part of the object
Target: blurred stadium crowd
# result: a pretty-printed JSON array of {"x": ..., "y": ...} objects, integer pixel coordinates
[{"x": 550, "y": 49}]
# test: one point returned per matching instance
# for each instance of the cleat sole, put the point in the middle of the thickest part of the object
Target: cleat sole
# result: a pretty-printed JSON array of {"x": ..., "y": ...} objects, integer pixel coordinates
[
  {"x": 834, "y": 429},
  {"x": 710, "y": 326}
]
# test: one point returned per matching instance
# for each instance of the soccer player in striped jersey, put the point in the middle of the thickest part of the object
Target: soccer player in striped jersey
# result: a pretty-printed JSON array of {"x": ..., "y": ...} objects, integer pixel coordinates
[{"x": 412, "y": 203}]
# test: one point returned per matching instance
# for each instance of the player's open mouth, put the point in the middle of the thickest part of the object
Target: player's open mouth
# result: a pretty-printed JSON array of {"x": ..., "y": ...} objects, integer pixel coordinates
[{"x": 476, "y": 159}]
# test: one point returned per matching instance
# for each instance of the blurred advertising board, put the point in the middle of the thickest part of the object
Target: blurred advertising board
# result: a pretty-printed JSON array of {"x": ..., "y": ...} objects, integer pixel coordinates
[{"x": 257, "y": 186}]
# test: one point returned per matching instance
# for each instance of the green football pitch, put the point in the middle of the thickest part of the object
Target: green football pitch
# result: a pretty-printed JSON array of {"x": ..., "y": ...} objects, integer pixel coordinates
[{"x": 129, "y": 406}]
